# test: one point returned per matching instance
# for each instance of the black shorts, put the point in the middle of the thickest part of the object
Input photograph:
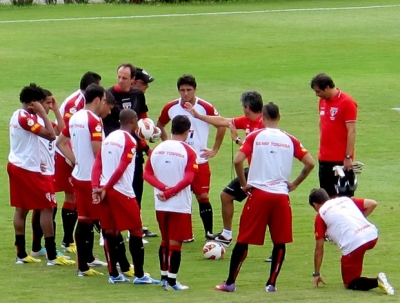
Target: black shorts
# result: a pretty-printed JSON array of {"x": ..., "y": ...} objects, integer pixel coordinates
[
  {"x": 234, "y": 189},
  {"x": 327, "y": 178}
]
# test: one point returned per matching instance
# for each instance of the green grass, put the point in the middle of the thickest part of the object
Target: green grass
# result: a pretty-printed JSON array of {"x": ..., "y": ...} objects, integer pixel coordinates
[{"x": 276, "y": 53}]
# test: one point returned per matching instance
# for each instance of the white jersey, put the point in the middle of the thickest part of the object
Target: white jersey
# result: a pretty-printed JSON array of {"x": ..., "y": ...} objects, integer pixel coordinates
[
  {"x": 47, "y": 153},
  {"x": 199, "y": 130},
  {"x": 24, "y": 141},
  {"x": 117, "y": 147},
  {"x": 346, "y": 225},
  {"x": 83, "y": 128},
  {"x": 72, "y": 104},
  {"x": 169, "y": 160},
  {"x": 272, "y": 151}
]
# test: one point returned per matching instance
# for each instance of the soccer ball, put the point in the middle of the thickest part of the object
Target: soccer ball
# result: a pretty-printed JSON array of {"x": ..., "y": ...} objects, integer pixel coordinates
[
  {"x": 145, "y": 128},
  {"x": 213, "y": 250}
]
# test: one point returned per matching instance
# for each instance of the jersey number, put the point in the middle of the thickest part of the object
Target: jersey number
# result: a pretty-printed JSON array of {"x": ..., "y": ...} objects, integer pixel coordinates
[{"x": 191, "y": 134}]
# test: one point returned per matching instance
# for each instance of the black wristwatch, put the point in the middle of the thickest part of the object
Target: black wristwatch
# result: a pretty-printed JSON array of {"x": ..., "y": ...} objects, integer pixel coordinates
[
  {"x": 237, "y": 140},
  {"x": 315, "y": 274},
  {"x": 348, "y": 156}
]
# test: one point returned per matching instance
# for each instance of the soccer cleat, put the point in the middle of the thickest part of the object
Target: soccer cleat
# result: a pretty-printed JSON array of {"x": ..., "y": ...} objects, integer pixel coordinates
[
  {"x": 177, "y": 286},
  {"x": 97, "y": 262},
  {"x": 148, "y": 233},
  {"x": 60, "y": 254},
  {"x": 270, "y": 288},
  {"x": 384, "y": 284},
  {"x": 226, "y": 287},
  {"x": 188, "y": 240},
  {"x": 268, "y": 259},
  {"x": 130, "y": 273},
  {"x": 145, "y": 280},
  {"x": 60, "y": 261},
  {"x": 120, "y": 279},
  {"x": 163, "y": 283},
  {"x": 89, "y": 272},
  {"x": 145, "y": 241},
  {"x": 224, "y": 241},
  {"x": 41, "y": 253},
  {"x": 69, "y": 248},
  {"x": 212, "y": 236},
  {"x": 27, "y": 259}
]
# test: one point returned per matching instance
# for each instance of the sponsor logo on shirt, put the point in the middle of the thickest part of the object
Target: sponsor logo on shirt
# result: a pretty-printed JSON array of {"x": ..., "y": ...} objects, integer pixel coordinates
[
  {"x": 96, "y": 135},
  {"x": 35, "y": 127}
]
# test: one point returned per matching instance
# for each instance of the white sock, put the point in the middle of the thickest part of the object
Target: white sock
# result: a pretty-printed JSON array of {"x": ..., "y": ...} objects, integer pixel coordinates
[{"x": 227, "y": 234}]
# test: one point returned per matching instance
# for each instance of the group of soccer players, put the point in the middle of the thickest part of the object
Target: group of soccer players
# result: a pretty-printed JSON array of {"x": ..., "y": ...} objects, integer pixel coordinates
[{"x": 97, "y": 161}]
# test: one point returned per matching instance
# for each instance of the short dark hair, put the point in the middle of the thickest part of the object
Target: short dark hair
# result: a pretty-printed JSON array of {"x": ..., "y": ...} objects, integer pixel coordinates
[
  {"x": 318, "y": 196},
  {"x": 270, "y": 111},
  {"x": 252, "y": 100},
  {"x": 180, "y": 124},
  {"x": 110, "y": 98},
  {"x": 92, "y": 92},
  {"x": 126, "y": 115},
  {"x": 186, "y": 80},
  {"x": 322, "y": 81},
  {"x": 47, "y": 92},
  {"x": 30, "y": 93},
  {"x": 89, "y": 78},
  {"x": 130, "y": 66}
]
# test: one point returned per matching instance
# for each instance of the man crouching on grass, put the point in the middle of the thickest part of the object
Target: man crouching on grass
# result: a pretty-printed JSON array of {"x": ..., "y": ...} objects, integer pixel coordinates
[{"x": 344, "y": 221}]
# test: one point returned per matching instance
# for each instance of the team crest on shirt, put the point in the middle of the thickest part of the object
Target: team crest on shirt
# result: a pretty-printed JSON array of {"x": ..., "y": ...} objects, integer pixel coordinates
[
  {"x": 98, "y": 128},
  {"x": 30, "y": 122},
  {"x": 216, "y": 112},
  {"x": 126, "y": 105},
  {"x": 333, "y": 111},
  {"x": 72, "y": 110},
  {"x": 48, "y": 196}
]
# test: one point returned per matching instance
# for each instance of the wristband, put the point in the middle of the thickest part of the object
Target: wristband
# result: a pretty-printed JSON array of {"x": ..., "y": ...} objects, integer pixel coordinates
[
  {"x": 315, "y": 274},
  {"x": 237, "y": 140}
]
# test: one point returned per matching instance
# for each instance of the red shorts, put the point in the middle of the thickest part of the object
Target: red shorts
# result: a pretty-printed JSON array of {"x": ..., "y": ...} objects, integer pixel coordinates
[
  {"x": 119, "y": 212},
  {"x": 264, "y": 209},
  {"x": 83, "y": 200},
  {"x": 63, "y": 175},
  {"x": 201, "y": 181},
  {"x": 174, "y": 226},
  {"x": 352, "y": 263},
  {"x": 50, "y": 185},
  {"x": 28, "y": 190}
]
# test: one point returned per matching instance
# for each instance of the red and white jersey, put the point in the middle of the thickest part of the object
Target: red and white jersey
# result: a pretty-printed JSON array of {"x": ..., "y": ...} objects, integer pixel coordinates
[
  {"x": 72, "y": 104},
  {"x": 247, "y": 124},
  {"x": 24, "y": 141},
  {"x": 118, "y": 146},
  {"x": 342, "y": 220},
  {"x": 169, "y": 161},
  {"x": 199, "y": 130},
  {"x": 47, "y": 152},
  {"x": 272, "y": 152},
  {"x": 83, "y": 128}
]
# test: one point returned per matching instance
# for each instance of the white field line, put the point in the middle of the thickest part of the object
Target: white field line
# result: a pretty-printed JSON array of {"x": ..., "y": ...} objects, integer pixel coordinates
[{"x": 268, "y": 11}]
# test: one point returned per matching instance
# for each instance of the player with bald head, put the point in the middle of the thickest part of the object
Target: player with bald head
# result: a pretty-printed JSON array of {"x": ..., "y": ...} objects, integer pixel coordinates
[{"x": 112, "y": 177}]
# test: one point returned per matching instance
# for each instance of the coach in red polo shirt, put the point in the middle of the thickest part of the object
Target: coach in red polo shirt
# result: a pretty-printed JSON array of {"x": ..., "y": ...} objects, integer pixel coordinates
[{"x": 337, "y": 130}]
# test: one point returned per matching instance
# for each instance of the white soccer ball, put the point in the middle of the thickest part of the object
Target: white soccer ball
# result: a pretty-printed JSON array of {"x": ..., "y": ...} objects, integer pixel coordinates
[
  {"x": 213, "y": 250},
  {"x": 145, "y": 128}
]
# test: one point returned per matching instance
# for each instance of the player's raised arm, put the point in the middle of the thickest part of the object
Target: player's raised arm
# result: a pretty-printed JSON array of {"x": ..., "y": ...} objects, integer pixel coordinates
[{"x": 213, "y": 120}]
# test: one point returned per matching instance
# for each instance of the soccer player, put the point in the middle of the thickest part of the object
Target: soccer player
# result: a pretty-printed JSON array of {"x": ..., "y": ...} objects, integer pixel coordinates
[
  {"x": 128, "y": 94},
  {"x": 112, "y": 177},
  {"x": 252, "y": 104},
  {"x": 47, "y": 154},
  {"x": 268, "y": 186},
  {"x": 170, "y": 170},
  {"x": 198, "y": 137},
  {"x": 337, "y": 132},
  {"x": 63, "y": 170},
  {"x": 344, "y": 221},
  {"x": 25, "y": 173},
  {"x": 85, "y": 130}
]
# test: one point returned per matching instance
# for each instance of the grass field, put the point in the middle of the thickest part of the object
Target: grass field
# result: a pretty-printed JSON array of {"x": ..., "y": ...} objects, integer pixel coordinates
[{"x": 274, "y": 47}]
